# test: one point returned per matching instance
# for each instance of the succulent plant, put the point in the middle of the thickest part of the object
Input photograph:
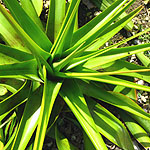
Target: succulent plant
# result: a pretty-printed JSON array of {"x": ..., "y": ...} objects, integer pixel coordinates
[{"x": 45, "y": 69}]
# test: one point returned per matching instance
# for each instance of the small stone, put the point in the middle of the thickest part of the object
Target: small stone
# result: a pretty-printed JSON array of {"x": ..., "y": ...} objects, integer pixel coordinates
[
  {"x": 143, "y": 99},
  {"x": 147, "y": 18},
  {"x": 136, "y": 27},
  {"x": 141, "y": 82},
  {"x": 73, "y": 138},
  {"x": 97, "y": 13}
]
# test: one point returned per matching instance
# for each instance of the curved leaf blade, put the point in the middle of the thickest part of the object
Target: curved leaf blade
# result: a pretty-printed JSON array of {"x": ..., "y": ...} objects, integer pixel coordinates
[
  {"x": 25, "y": 70},
  {"x": 63, "y": 142},
  {"x": 38, "y": 4},
  {"x": 51, "y": 89},
  {"x": 136, "y": 130},
  {"x": 75, "y": 100},
  {"x": 36, "y": 34},
  {"x": 14, "y": 100},
  {"x": 110, "y": 126},
  {"x": 11, "y": 55},
  {"x": 29, "y": 120},
  {"x": 33, "y": 9},
  {"x": 113, "y": 98}
]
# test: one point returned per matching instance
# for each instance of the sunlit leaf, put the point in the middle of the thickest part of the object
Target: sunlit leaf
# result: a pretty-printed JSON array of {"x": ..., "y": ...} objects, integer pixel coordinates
[{"x": 75, "y": 100}]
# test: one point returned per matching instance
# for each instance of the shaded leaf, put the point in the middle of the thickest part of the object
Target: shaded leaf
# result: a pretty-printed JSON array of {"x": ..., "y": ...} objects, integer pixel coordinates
[
  {"x": 110, "y": 126},
  {"x": 36, "y": 34},
  {"x": 75, "y": 100},
  {"x": 29, "y": 120},
  {"x": 51, "y": 89},
  {"x": 136, "y": 130},
  {"x": 113, "y": 98},
  {"x": 63, "y": 142}
]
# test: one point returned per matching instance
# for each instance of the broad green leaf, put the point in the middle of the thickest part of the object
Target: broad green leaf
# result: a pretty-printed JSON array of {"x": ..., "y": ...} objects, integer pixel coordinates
[
  {"x": 113, "y": 98},
  {"x": 9, "y": 34},
  {"x": 10, "y": 55},
  {"x": 29, "y": 120},
  {"x": 75, "y": 100},
  {"x": 54, "y": 23},
  {"x": 15, "y": 99},
  {"x": 87, "y": 143},
  {"x": 63, "y": 142},
  {"x": 144, "y": 59},
  {"x": 106, "y": 35},
  {"x": 2, "y": 139},
  {"x": 104, "y": 4},
  {"x": 131, "y": 93},
  {"x": 69, "y": 51},
  {"x": 65, "y": 28},
  {"x": 38, "y": 5},
  {"x": 30, "y": 8},
  {"x": 110, "y": 126},
  {"x": 51, "y": 89},
  {"x": 35, "y": 33},
  {"x": 39, "y": 53},
  {"x": 109, "y": 29},
  {"x": 100, "y": 77},
  {"x": 121, "y": 65},
  {"x": 115, "y": 54},
  {"x": 145, "y": 123},
  {"x": 97, "y": 23},
  {"x": 27, "y": 69},
  {"x": 136, "y": 130}
]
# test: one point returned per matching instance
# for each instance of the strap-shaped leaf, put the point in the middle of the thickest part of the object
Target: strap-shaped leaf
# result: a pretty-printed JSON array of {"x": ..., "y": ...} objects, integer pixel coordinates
[
  {"x": 92, "y": 30},
  {"x": 51, "y": 89},
  {"x": 25, "y": 70},
  {"x": 12, "y": 55},
  {"x": 117, "y": 100},
  {"x": 136, "y": 130},
  {"x": 37, "y": 35},
  {"x": 39, "y": 53},
  {"x": 29, "y": 120},
  {"x": 121, "y": 65},
  {"x": 115, "y": 54},
  {"x": 144, "y": 59},
  {"x": 145, "y": 123},
  {"x": 110, "y": 126},
  {"x": 15, "y": 99},
  {"x": 12, "y": 37},
  {"x": 70, "y": 50},
  {"x": 112, "y": 30},
  {"x": 75, "y": 100},
  {"x": 31, "y": 9},
  {"x": 131, "y": 93},
  {"x": 62, "y": 141},
  {"x": 104, "y": 4},
  {"x": 38, "y": 5},
  {"x": 54, "y": 23},
  {"x": 65, "y": 28},
  {"x": 103, "y": 77}
]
